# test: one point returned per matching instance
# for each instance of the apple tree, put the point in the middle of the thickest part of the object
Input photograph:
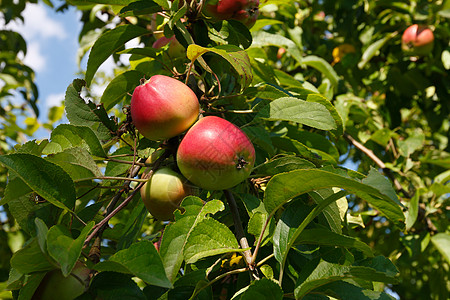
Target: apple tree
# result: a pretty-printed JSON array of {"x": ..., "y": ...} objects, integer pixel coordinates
[{"x": 318, "y": 166}]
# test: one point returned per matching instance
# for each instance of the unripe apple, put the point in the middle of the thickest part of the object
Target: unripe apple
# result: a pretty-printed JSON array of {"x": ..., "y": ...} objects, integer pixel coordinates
[
  {"x": 163, "y": 193},
  {"x": 163, "y": 107},
  {"x": 176, "y": 50},
  {"x": 417, "y": 40},
  {"x": 245, "y": 11},
  {"x": 215, "y": 154},
  {"x": 56, "y": 286}
]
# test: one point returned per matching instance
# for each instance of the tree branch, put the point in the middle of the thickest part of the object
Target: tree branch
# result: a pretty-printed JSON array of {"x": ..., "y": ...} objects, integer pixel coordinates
[
  {"x": 240, "y": 235},
  {"x": 379, "y": 162}
]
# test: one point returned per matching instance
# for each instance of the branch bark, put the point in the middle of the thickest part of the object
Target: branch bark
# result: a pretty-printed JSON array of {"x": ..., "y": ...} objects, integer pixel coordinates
[
  {"x": 240, "y": 235},
  {"x": 379, "y": 162}
]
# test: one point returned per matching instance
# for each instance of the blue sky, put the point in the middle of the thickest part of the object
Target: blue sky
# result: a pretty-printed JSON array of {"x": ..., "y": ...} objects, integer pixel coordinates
[{"x": 52, "y": 46}]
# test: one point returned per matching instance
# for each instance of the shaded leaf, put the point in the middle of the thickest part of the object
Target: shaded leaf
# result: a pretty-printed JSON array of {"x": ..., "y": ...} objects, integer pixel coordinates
[
  {"x": 63, "y": 248},
  {"x": 30, "y": 259},
  {"x": 69, "y": 136},
  {"x": 292, "y": 109},
  {"x": 48, "y": 180},
  {"x": 119, "y": 87},
  {"x": 141, "y": 260},
  {"x": 283, "y": 187},
  {"x": 209, "y": 237},
  {"x": 238, "y": 59},
  {"x": 108, "y": 43},
  {"x": 176, "y": 233}
]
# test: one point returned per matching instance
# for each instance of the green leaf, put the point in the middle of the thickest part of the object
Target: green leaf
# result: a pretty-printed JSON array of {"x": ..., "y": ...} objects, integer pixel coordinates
[
  {"x": 262, "y": 289},
  {"x": 109, "y": 2},
  {"x": 15, "y": 189},
  {"x": 112, "y": 285},
  {"x": 372, "y": 50},
  {"x": 283, "y": 187},
  {"x": 381, "y": 183},
  {"x": 317, "y": 98},
  {"x": 80, "y": 112},
  {"x": 63, "y": 248},
  {"x": 119, "y": 169},
  {"x": 323, "y": 67},
  {"x": 348, "y": 291},
  {"x": 295, "y": 110},
  {"x": 442, "y": 242},
  {"x": 108, "y": 43},
  {"x": 69, "y": 136},
  {"x": 288, "y": 224},
  {"x": 284, "y": 164},
  {"x": 119, "y": 87},
  {"x": 231, "y": 32},
  {"x": 263, "y": 38},
  {"x": 176, "y": 233},
  {"x": 325, "y": 237},
  {"x": 327, "y": 272},
  {"x": 31, "y": 259},
  {"x": 33, "y": 281},
  {"x": 48, "y": 180},
  {"x": 140, "y": 8},
  {"x": 209, "y": 237},
  {"x": 238, "y": 59},
  {"x": 41, "y": 234},
  {"x": 141, "y": 260},
  {"x": 77, "y": 162}
]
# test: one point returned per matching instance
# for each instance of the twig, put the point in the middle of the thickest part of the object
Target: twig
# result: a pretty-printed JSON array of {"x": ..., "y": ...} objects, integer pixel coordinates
[
  {"x": 379, "y": 162},
  {"x": 239, "y": 230},
  {"x": 111, "y": 178}
]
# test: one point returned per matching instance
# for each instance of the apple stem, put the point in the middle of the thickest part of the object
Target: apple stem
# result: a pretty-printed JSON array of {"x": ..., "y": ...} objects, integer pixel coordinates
[{"x": 240, "y": 235}]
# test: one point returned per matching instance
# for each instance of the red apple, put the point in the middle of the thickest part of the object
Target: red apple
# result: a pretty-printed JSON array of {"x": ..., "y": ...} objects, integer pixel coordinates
[
  {"x": 417, "y": 40},
  {"x": 56, "y": 286},
  {"x": 163, "y": 107},
  {"x": 245, "y": 11},
  {"x": 215, "y": 154},
  {"x": 163, "y": 193},
  {"x": 176, "y": 50}
]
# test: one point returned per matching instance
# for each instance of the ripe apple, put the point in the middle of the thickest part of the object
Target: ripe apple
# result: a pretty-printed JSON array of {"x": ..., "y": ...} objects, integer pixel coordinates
[
  {"x": 163, "y": 107},
  {"x": 176, "y": 50},
  {"x": 215, "y": 154},
  {"x": 56, "y": 286},
  {"x": 163, "y": 193},
  {"x": 417, "y": 40},
  {"x": 245, "y": 11}
]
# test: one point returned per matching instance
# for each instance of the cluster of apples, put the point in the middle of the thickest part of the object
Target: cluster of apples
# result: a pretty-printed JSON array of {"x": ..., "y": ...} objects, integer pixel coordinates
[{"x": 214, "y": 154}]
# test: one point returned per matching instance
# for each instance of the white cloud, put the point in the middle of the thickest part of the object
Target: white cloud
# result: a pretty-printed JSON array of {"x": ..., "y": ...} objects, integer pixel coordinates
[
  {"x": 54, "y": 99},
  {"x": 38, "y": 24},
  {"x": 34, "y": 58}
]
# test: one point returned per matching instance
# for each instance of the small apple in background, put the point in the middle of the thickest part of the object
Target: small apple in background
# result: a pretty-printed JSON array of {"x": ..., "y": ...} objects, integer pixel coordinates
[
  {"x": 56, "y": 286},
  {"x": 280, "y": 53},
  {"x": 163, "y": 193},
  {"x": 417, "y": 40},
  {"x": 245, "y": 11},
  {"x": 215, "y": 154},
  {"x": 176, "y": 50},
  {"x": 163, "y": 107}
]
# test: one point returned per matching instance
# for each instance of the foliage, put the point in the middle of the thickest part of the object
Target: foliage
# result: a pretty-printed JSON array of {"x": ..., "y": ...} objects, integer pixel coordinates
[{"x": 340, "y": 93}]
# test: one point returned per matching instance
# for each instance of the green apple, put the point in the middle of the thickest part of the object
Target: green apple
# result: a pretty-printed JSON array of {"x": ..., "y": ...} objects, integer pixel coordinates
[
  {"x": 55, "y": 286},
  {"x": 163, "y": 193}
]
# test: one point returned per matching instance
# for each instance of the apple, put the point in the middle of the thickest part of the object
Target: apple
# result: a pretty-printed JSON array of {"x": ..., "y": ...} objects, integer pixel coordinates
[
  {"x": 56, "y": 286},
  {"x": 163, "y": 107},
  {"x": 245, "y": 11},
  {"x": 176, "y": 50},
  {"x": 215, "y": 154},
  {"x": 163, "y": 193},
  {"x": 417, "y": 40}
]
